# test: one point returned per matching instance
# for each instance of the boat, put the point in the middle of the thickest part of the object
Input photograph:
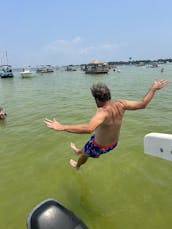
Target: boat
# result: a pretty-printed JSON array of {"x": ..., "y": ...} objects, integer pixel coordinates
[
  {"x": 152, "y": 65},
  {"x": 52, "y": 214},
  {"x": 158, "y": 145},
  {"x": 45, "y": 69},
  {"x": 5, "y": 68},
  {"x": 96, "y": 67},
  {"x": 6, "y": 71},
  {"x": 71, "y": 68},
  {"x": 26, "y": 73},
  {"x": 116, "y": 69}
]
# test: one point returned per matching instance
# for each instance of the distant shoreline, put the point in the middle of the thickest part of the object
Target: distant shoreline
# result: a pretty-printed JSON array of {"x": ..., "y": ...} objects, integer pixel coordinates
[
  {"x": 113, "y": 63},
  {"x": 137, "y": 62}
]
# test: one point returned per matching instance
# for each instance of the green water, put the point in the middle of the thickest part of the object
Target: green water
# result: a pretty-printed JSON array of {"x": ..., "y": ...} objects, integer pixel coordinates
[{"x": 123, "y": 189}]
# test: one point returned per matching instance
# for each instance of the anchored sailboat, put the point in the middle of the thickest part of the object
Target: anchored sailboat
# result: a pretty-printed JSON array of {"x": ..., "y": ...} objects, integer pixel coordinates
[{"x": 5, "y": 68}]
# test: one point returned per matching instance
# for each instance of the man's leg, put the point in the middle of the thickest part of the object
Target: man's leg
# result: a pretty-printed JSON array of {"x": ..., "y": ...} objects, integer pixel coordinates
[
  {"x": 83, "y": 157},
  {"x": 76, "y": 150},
  {"x": 81, "y": 160}
]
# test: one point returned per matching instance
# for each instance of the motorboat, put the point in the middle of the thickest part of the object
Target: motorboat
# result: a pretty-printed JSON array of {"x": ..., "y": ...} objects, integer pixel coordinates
[
  {"x": 71, "y": 68},
  {"x": 26, "y": 73}
]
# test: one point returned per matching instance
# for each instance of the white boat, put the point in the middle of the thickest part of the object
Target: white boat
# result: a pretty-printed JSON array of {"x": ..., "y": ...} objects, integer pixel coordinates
[{"x": 26, "y": 73}]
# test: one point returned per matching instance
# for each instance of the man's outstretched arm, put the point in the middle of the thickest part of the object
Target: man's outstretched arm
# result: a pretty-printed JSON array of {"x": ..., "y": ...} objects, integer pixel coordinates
[
  {"x": 134, "y": 105},
  {"x": 89, "y": 127}
]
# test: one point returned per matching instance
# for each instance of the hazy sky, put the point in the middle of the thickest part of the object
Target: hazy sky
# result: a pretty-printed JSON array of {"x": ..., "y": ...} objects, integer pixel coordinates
[{"x": 77, "y": 31}]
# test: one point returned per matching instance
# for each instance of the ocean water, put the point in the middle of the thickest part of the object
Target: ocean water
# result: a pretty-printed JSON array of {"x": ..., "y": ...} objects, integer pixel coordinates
[{"x": 123, "y": 189}]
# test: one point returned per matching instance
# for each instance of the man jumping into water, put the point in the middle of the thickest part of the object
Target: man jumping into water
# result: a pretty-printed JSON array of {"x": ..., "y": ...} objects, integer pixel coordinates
[{"x": 106, "y": 123}]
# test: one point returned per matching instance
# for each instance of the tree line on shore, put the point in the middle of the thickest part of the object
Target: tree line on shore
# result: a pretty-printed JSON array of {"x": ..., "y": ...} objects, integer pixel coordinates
[{"x": 138, "y": 62}]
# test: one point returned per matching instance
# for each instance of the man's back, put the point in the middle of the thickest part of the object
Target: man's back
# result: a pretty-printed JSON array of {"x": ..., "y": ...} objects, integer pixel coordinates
[{"x": 108, "y": 132}]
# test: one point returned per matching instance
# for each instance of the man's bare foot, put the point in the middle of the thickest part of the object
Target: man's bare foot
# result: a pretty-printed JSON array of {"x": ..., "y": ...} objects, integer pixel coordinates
[
  {"x": 76, "y": 150},
  {"x": 73, "y": 164}
]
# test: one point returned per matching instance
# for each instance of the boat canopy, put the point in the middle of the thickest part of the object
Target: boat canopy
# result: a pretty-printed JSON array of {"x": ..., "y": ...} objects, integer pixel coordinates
[{"x": 97, "y": 62}]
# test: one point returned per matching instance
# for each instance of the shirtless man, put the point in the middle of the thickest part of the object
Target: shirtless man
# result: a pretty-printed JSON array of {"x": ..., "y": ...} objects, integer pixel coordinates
[{"x": 106, "y": 123}]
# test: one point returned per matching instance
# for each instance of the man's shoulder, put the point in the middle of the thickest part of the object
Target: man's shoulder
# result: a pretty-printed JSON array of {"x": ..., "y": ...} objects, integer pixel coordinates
[
  {"x": 120, "y": 102},
  {"x": 101, "y": 109}
]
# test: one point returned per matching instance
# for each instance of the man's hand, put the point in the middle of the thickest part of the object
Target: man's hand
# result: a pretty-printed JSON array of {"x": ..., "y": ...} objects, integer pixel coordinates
[
  {"x": 159, "y": 84},
  {"x": 53, "y": 124}
]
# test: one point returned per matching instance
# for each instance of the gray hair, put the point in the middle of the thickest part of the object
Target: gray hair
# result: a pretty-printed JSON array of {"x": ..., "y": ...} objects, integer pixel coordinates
[{"x": 101, "y": 92}]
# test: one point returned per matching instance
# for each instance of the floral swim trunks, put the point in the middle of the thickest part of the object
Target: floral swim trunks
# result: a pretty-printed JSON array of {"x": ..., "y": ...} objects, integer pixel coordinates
[{"x": 94, "y": 149}]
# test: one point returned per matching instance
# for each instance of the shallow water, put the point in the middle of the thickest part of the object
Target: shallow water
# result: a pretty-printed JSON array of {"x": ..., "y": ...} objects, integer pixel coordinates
[{"x": 123, "y": 189}]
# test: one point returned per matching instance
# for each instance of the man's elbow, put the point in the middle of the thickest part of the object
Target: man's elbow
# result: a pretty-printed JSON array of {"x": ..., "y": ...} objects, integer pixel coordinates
[
  {"x": 141, "y": 105},
  {"x": 90, "y": 130}
]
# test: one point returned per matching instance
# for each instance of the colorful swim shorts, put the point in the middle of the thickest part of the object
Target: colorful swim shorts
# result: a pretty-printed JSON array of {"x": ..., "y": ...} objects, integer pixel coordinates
[{"x": 93, "y": 149}]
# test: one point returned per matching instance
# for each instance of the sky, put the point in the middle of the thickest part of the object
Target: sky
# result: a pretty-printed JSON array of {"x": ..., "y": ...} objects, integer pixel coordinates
[{"x": 35, "y": 32}]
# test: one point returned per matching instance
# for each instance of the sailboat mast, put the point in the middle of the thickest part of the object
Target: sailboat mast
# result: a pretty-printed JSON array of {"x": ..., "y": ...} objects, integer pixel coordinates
[{"x": 6, "y": 57}]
